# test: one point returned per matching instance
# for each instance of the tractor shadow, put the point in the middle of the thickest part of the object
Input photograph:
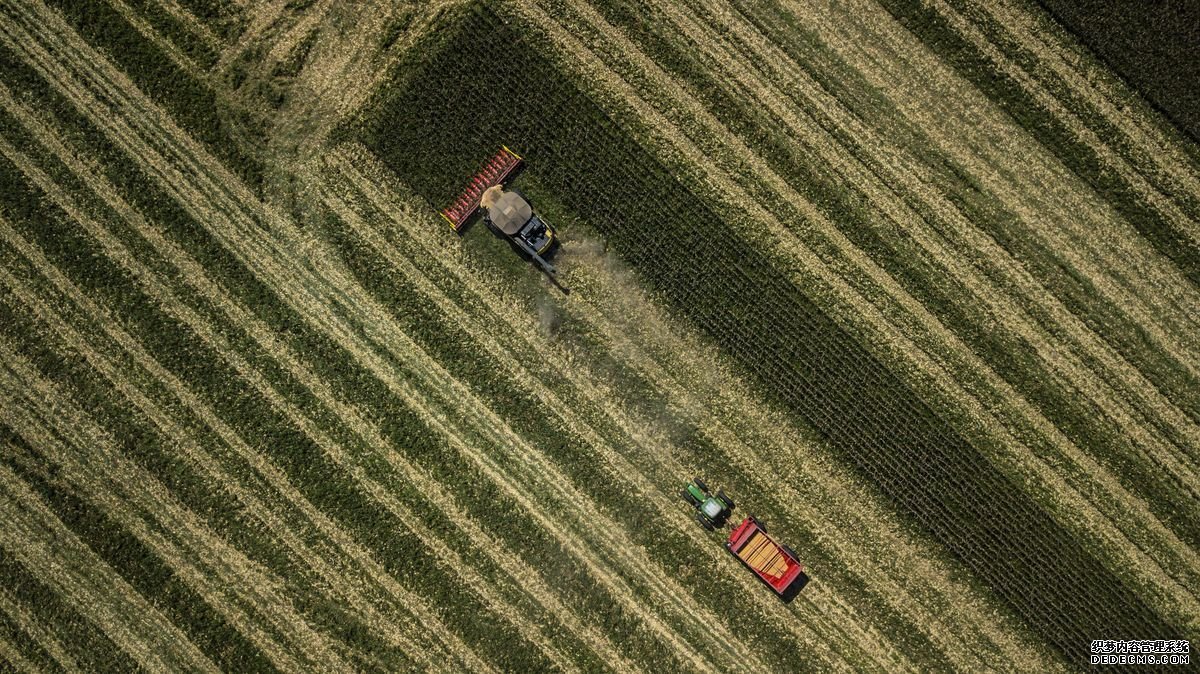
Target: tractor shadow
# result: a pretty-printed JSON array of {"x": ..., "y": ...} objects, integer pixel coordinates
[{"x": 794, "y": 589}]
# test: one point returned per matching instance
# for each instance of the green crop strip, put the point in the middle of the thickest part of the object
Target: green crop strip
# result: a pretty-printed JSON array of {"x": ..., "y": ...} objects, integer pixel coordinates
[
  {"x": 1012, "y": 358},
  {"x": 762, "y": 321},
  {"x": 194, "y": 105},
  {"x": 1048, "y": 128},
  {"x": 175, "y": 33},
  {"x": 1076, "y": 292},
  {"x": 91, "y": 648},
  {"x": 309, "y": 470}
]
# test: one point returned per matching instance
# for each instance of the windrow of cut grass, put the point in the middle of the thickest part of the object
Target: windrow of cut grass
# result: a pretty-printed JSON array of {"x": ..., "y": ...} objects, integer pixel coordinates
[
  {"x": 766, "y": 324},
  {"x": 1027, "y": 446}
]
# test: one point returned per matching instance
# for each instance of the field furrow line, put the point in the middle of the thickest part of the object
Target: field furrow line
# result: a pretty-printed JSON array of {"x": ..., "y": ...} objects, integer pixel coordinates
[
  {"x": 603, "y": 649},
  {"x": 1054, "y": 206},
  {"x": 32, "y": 627},
  {"x": 230, "y": 583},
  {"x": 33, "y": 534},
  {"x": 11, "y": 656},
  {"x": 387, "y": 207},
  {"x": 193, "y": 25},
  {"x": 332, "y": 571},
  {"x": 297, "y": 34},
  {"x": 890, "y": 328},
  {"x": 1060, "y": 359},
  {"x": 261, "y": 16},
  {"x": 190, "y": 156},
  {"x": 173, "y": 52},
  {"x": 1077, "y": 68}
]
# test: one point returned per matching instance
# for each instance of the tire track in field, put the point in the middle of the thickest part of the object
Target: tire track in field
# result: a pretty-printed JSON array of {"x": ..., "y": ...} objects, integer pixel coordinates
[
  {"x": 261, "y": 16},
  {"x": 345, "y": 165},
  {"x": 29, "y": 624},
  {"x": 33, "y": 534},
  {"x": 1061, "y": 361},
  {"x": 1160, "y": 156},
  {"x": 262, "y": 333},
  {"x": 156, "y": 288},
  {"x": 333, "y": 572},
  {"x": 189, "y": 155},
  {"x": 1014, "y": 166},
  {"x": 357, "y": 164},
  {"x": 889, "y": 334},
  {"x": 135, "y": 500}
]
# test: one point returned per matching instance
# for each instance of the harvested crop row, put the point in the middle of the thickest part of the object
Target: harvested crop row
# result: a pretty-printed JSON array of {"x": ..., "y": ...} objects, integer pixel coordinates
[
  {"x": 332, "y": 571},
  {"x": 36, "y": 537},
  {"x": 33, "y": 629},
  {"x": 1149, "y": 144},
  {"x": 90, "y": 460},
  {"x": 156, "y": 288},
  {"x": 764, "y": 321},
  {"x": 891, "y": 339}
]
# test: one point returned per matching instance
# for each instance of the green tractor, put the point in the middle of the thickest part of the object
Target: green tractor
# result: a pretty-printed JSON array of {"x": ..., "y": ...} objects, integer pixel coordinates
[{"x": 711, "y": 511}]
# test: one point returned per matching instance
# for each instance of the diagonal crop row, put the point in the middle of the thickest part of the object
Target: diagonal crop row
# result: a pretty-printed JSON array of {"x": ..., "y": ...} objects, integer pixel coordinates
[{"x": 797, "y": 354}]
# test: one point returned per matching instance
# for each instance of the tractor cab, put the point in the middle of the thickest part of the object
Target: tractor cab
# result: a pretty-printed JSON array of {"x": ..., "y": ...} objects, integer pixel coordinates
[{"x": 711, "y": 511}]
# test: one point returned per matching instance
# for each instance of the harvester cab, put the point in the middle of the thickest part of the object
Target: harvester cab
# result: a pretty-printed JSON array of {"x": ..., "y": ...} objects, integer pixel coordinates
[
  {"x": 711, "y": 511},
  {"x": 507, "y": 213}
]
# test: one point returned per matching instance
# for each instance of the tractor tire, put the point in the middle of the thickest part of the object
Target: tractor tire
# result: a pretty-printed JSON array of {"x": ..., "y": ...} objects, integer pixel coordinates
[
  {"x": 691, "y": 500},
  {"x": 700, "y": 483},
  {"x": 704, "y": 522}
]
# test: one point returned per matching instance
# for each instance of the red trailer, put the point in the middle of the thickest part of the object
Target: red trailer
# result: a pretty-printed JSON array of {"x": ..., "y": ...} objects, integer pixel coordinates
[{"x": 775, "y": 564}]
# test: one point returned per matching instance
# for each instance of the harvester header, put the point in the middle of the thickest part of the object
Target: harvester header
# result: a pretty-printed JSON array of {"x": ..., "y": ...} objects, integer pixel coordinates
[{"x": 495, "y": 171}]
